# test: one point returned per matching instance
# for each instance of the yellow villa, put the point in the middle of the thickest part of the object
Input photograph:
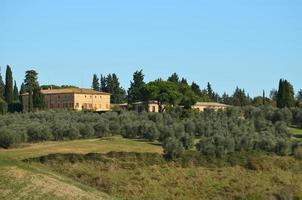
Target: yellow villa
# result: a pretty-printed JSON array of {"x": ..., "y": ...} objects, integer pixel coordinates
[
  {"x": 201, "y": 106},
  {"x": 73, "y": 98}
]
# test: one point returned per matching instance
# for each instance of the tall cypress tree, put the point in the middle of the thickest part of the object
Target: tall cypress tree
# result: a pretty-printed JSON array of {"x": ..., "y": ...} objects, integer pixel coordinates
[
  {"x": 263, "y": 97},
  {"x": 280, "y": 95},
  {"x": 95, "y": 83},
  {"x": 2, "y": 86},
  {"x": 113, "y": 87},
  {"x": 9, "y": 91},
  {"x": 31, "y": 85},
  {"x": 16, "y": 92},
  {"x": 285, "y": 96},
  {"x": 103, "y": 85},
  {"x": 134, "y": 91}
]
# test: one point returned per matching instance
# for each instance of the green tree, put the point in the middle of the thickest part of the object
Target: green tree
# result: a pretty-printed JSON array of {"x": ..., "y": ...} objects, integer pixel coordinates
[
  {"x": 103, "y": 84},
  {"x": 9, "y": 92},
  {"x": 196, "y": 89},
  {"x": 3, "y": 107},
  {"x": 38, "y": 99},
  {"x": 174, "y": 78},
  {"x": 165, "y": 92},
  {"x": 2, "y": 86},
  {"x": 113, "y": 87},
  {"x": 285, "y": 95},
  {"x": 95, "y": 83},
  {"x": 134, "y": 91},
  {"x": 239, "y": 98},
  {"x": 16, "y": 92},
  {"x": 31, "y": 85}
]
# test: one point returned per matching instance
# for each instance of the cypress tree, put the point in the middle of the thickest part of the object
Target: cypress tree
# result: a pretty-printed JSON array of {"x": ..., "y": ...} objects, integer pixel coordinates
[
  {"x": 285, "y": 96},
  {"x": 31, "y": 83},
  {"x": 9, "y": 92},
  {"x": 16, "y": 92},
  {"x": 103, "y": 85},
  {"x": 263, "y": 97},
  {"x": 2, "y": 86},
  {"x": 95, "y": 83},
  {"x": 134, "y": 91},
  {"x": 280, "y": 95},
  {"x": 174, "y": 78}
]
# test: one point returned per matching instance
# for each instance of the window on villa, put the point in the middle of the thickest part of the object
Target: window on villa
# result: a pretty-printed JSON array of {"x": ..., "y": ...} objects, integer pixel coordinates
[{"x": 77, "y": 105}]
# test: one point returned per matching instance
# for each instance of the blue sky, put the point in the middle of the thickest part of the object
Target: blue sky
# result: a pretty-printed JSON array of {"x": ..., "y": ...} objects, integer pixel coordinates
[{"x": 249, "y": 43}]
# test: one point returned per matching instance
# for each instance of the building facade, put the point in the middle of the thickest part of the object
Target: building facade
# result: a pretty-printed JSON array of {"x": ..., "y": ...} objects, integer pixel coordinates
[
  {"x": 201, "y": 106},
  {"x": 147, "y": 106},
  {"x": 73, "y": 98}
]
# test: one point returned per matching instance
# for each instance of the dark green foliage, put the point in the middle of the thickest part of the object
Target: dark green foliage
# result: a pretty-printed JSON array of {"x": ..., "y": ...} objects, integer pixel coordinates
[
  {"x": 30, "y": 84},
  {"x": 45, "y": 87},
  {"x": 15, "y": 106},
  {"x": 134, "y": 91},
  {"x": 285, "y": 95},
  {"x": 103, "y": 84},
  {"x": 38, "y": 99},
  {"x": 174, "y": 78},
  {"x": 239, "y": 98},
  {"x": 95, "y": 83},
  {"x": 3, "y": 107},
  {"x": 111, "y": 85},
  {"x": 2, "y": 86},
  {"x": 16, "y": 92},
  {"x": 9, "y": 91}
]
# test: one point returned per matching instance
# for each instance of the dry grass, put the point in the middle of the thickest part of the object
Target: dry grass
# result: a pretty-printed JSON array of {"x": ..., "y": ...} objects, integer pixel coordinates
[
  {"x": 18, "y": 183},
  {"x": 23, "y": 181},
  {"x": 81, "y": 146}
]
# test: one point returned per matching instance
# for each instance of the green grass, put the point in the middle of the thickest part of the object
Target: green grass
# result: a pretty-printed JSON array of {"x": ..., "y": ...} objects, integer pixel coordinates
[
  {"x": 296, "y": 134},
  {"x": 21, "y": 180}
]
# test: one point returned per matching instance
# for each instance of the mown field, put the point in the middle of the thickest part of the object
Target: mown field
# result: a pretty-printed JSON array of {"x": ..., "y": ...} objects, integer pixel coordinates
[
  {"x": 141, "y": 175},
  {"x": 21, "y": 180}
]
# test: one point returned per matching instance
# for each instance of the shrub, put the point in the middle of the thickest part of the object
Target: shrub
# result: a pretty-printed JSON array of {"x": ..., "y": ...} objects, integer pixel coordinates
[
  {"x": 8, "y": 138},
  {"x": 37, "y": 133},
  {"x": 86, "y": 130},
  {"x": 102, "y": 129},
  {"x": 172, "y": 148},
  {"x": 71, "y": 132}
]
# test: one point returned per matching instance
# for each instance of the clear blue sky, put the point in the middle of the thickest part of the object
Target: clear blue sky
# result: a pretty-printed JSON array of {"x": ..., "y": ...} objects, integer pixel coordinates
[{"x": 249, "y": 43}]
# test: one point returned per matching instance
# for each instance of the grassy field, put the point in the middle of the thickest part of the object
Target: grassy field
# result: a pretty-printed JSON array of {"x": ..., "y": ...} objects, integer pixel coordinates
[
  {"x": 265, "y": 177},
  {"x": 20, "y": 180}
]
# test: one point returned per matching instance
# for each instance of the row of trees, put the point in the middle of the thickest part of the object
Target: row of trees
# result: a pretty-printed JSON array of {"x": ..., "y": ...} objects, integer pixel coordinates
[
  {"x": 110, "y": 84},
  {"x": 11, "y": 97},
  {"x": 216, "y": 133},
  {"x": 176, "y": 90},
  {"x": 9, "y": 93}
]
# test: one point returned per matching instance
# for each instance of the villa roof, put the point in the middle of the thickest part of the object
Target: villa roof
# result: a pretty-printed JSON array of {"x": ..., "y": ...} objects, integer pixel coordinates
[
  {"x": 211, "y": 104},
  {"x": 71, "y": 91}
]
